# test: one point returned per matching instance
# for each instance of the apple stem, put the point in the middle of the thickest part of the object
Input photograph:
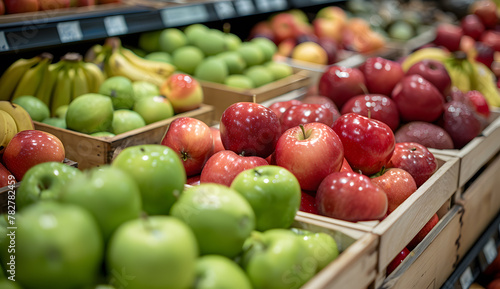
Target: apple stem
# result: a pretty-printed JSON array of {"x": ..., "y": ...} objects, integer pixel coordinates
[
  {"x": 257, "y": 172},
  {"x": 184, "y": 156},
  {"x": 369, "y": 113},
  {"x": 254, "y": 98},
  {"x": 226, "y": 27},
  {"x": 363, "y": 87},
  {"x": 303, "y": 130},
  {"x": 413, "y": 149},
  {"x": 381, "y": 172},
  {"x": 145, "y": 220}
]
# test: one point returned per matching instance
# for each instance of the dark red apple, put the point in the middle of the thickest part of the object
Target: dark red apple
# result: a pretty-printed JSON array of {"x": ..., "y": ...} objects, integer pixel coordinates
[
  {"x": 249, "y": 129},
  {"x": 311, "y": 152},
  {"x": 308, "y": 203},
  {"x": 461, "y": 122},
  {"x": 398, "y": 184},
  {"x": 376, "y": 106},
  {"x": 192, "y": 140},
  {"x": 351, "y": 197},
  {"x": 6, "y": 177},
  {"x": 415, "y": 159},
  {"x": 423, "y": 232},
  {"x": 281, "y": 106},
  {"x": 485, "y": 53},
  {"x": 486, "y": 11},
  {"x": 331, "y": 48},
  {"x": 217, "y": 141},
  {"x": 305, "y": 113},
  {"x": 341, "y": 83},
  {"x": 418, "y": 99},
  {"x": 397, "y": 260},
  {"x": 433, "y": 71},
  {"x": 472, "y": 26},
  {"x": 381, "y": 75},
  {"x": 21, "y": 6},
  {"x": 224, "y": 166},
  {"x": 425, "y": 133},
  {"x": 368, "y": 143},
  {"x": 448, "y": 35},
  {"x": 491, "y": 38}
]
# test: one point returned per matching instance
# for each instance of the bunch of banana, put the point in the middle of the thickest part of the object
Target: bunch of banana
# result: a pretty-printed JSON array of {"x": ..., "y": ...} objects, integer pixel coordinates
[
  {"x": 14, "y": 119},
  {"x": 116, "y": 60}
]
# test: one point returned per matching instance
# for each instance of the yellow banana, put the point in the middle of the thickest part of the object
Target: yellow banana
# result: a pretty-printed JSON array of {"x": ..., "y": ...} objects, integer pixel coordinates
[
  {"x": 62, "y": 90},
  {"x": 95, "y": 76},
  {"x": 424, "y": 53},
  {"x": 161, "y": 68},
  {"x": 461, "y": 71},
  {"x": 32, "y": 79},
  {"x": 80, "y": 83},
  {"x": 118, "y": 65},
  {"x": 485, "y": 83},
  {"x": 11, "y": 77},
  {"x": 46, "y": 88},
  {"x": 8, "y": 129},
  {"x": 21, "y": 117}
]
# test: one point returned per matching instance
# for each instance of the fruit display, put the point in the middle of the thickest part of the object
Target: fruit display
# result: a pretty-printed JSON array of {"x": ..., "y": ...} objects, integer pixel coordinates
[{"x": 23, "y": 6}]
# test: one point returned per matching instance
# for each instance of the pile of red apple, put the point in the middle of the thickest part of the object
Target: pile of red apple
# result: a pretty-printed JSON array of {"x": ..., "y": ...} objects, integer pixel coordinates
[{"x": 22, "y": 6}]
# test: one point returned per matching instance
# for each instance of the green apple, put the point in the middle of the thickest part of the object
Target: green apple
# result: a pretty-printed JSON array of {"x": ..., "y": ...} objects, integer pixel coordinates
[
  {"x": 279, "y": 70},
  {"x": 277, "y": 259},
  {"x": 90, "y": 113},
  {"x": 321, "y": 246},
  {"x": 149, "y": 41},
  {"x": 239, "y": 81},
  {"x": 57, "y": 246},
  {"x": 251, "y": 53},
  {"x": 143, "y": 89},
  {"x": 171, "y": 39},
  {"x": 36, "y": 108},
  {"x": 126, "y": 120},
  {"x": 108, "y": 194},
  {"x": 259, "y": 75},
  {"x": 194, "y": 31},
  {"x": 220, "y": 218},
  {"x": 55, "y": 121},
  {"x": 161, "y": 56},
  {"x": 154, "y": 252},
  {"x": 234, "y": 61},
  {"x": 61, "y": 111},
  {"x": 137, "y": 51},
  {"x": 44, "y": 182},
  {"x": 120, "y": 90},
  {"x": 103, "y": 134},
  {"x": 212, "y": 69},
  {"x": 211, "y": 42},
  {"x": 233, "y": 41},
  {"x": 274, "y": 194},
  {"x": 158, "y": 171},
  {"x": 219, "y": 272},
  {"x": 187, "y": 58},
  {"x": 268, "y": 47},
  {"x": 154, "y": 108}
]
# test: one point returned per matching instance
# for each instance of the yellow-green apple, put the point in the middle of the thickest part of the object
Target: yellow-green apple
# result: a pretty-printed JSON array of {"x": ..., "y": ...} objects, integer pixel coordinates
[
  {"x": 261, "y": 252},
  {"x": 220, "y": 218},
  {"x": 216, "y": 271},
  {"x": 21, "y": 6},
  {"x": 120, "y": 90},
  {"x": 148, "y": 165},
  {"x": 323, "y": 100},
  {"x": 433, "y": 71},
  {"x": 47, "y": 236},
  {"x": 461, "y": 121},
  {"x": 397, "y": 260},
  {"x": 31, "y": 147},
  {"x": 154, "y": 108},
  {"x": 280, "y": 107},
  {"x": 351, "y": 197},
  {"x": 472, "y": 26},
  {"x": 6, "y": 177},
  {"x": 249, "y": 129},
  {"x": 125, "y": 120},
  {"x": 217, "y": 141},
  {"x": 418, "y": 99},
  {"x": 267, "y": 46},
  {"x": 310, "y": 52},
  {"x": 381, "y": 74},
  {"x": 368, "y": 143},
  {"x": 321, "y": 246},
  {"x": 425, "y": 133},
  {"x": 415, "y": 159},
  {"x": 311, "y": 152},
  {"x": 152, "y": 252},
  {"x": 171, "y": 38},
  {"x": 108, "y": 194},
  {"x": 376, "y": 106},
  {"x": 333, "y": 13},
  {"x": 340, "y": 83},
  {"x": 90, "y": 113},
  {"x": 53, "y": 4},
  {"x": 183, "y": 91},
  {"x": 423, "y": 232},
  {"x": 44, "y": 181},
  {"x": 192, "y": 140},
  {"x": 306, "y": 113},
  {"x": 224, "y": 166},
  {"x": 212, "y": 69},
  {"x": 274, "y": 194},
  {"x": 328, "y": 28},
  {"x": 448, "y": 35},
  {"x": 398, "y": 184}
]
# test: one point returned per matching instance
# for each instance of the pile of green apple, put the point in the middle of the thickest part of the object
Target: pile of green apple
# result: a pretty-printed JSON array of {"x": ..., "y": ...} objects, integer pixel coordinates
[
  {"x": 215, "y": 56},
  {"x": 136, "y": 224}
]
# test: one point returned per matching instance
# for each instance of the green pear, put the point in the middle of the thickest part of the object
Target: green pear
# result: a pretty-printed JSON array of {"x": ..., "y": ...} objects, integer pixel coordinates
[
  {"x": 120, "y": 90},
  {"x": 154, "y": 108},
  {"x": 212, "y": 69},
  {"x": 55, "y": 121},
  {"x": 149, "y": 41},
  {"x": 171, "y": 39},
  {"x": 126, "y": 120},
  {"x": 36, "y": 108},
  {"x": 187, "y": 58},
  {"x": 239, "y": 81},
  {"x": 268, "y": 47},
  {"x": 211, "y": 42},
  {"x": 279, "y": 70},
  {"x": 194, "y": 31},
  {"x": 259, "y": 75},
  {"x": 233, "y": 41},
  {"x": 251, "y": 53},
  {"x": 90, "y": 113},
  {"x": 159, "y": 56},
  {"x": 235, "y": 63},
  {"x": 143, "y": 89},
  {"x": 61, "y": 111}
]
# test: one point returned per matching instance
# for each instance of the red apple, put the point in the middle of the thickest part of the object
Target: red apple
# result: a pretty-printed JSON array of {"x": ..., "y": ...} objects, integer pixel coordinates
[
  {"x": 331, "y": 48},
  {"x": 217, "y": 141},
  {"x": 311, "y": 152},
  {"x": 460, "y": 121},
  {"x": 250, "y": 129},
  {"x": 308, "y": 203},
  {"x": 83, "y": 3},
  {"x": 491, "y": 38},
  {"x": 376, "y": 106},
  {"x": 423, "y": 232},
  {"x": 448, "y": 35},
  {"x": 31, "y": 147},
  {"x": 397, "y": 260},
  {"x": 193, "y": 180},
  {"x": 485, "y": 53},
  {"x": 346, "y": 167},
  {"x": 262, "y": 29},
  {"x": 494, "y": 284},
  {"x": 328, "y": 28},
  {"x": 21, "y": 6},
  {"x": 350, "y": 197},
  {"x": 280, "y": 107},
  {"x": 305, "y": 113},
  {"x": 478, "y": 101},
  {"x": 425, "y": 133},
  {"x": 53, "y": 4},
  {"x": 398, "y": 184},
  {"x": 341, "y": 83},
  {"x": 285, "y": 47},
  {"x": 433, "y": 71},
  {"x": 183, "y": 91},
  {"x": 323, "y": 100},
  {"x": 415, "y": 159},
  {"x": 224, "y": 166},
  {"x": 368, "y": 143},
  {"x": 284, "y": 25},
  {"x": 2, "y": 7},
  {"x": 486, "y": 11},
  {"x": 418, "y": 99},
  {"x": 6, "y": 177},
  {"x": 192, "y": 140},
  {"x": 381, "y": 75},
  {"x": 472, "y": 26}
]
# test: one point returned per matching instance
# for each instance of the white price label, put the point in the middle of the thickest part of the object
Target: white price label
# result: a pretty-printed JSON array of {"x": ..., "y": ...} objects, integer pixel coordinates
[
  {"x": 115, "y": 25},
  {"x": 244, "y": 7},
  {"x": 271, "y": 5},
  {"x": 224, "y": 9},
  {"x": 466, "y": 279},
  {"x": 490, "y": 251},
  {"x": 177, "y": 16},
  {"x": 4, "y": 45},
  {"x": 69, "y": 31}
]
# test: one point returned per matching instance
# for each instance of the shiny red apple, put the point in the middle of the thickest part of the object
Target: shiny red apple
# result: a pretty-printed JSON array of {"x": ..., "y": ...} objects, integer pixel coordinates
[
  {"x": 341, "y": 83},
  {"x": 472, "y": 26},
  {"x": 217, "y": 141},
  {"x": 479, "y": 102},
  {"x": 423, "y": 232},
  {"x": 376, "y": 106},
  {"x": 281, "y": 106},
  {"x": 305, "y": 113},
  {"x": 415, "y": 159},
  {"x": 448, "y": 35},
  {"x": 345, "y": 166},
  {"x": 398, "y": 184},
  {"x": 397, "y": 260},
  {"x": 491, "y": 38},
  {"x": 433, "y": 71},
  {"x": 381, "y": 75},
  {"x": 486, "y": 10}
]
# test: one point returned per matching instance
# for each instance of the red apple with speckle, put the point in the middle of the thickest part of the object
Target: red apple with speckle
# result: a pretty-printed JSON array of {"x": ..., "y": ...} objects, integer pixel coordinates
[
  {"x": 381, "y": 75},
  {"x": 398, "y": 184},
  {"x": 416, "y": 159},
  {"x": 376, "y": 106}
]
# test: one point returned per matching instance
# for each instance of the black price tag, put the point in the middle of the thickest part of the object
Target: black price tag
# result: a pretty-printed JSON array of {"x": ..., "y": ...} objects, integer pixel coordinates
[
  {"x": 178, "y": 16},
  {"x": 69, "y": 31},
  {"x": 115, "y": 25}
]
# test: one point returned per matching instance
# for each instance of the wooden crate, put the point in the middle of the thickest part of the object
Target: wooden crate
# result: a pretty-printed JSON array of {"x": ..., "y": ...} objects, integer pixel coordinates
[
  {"x": 221, "y": 96},
  {"x": 355, "y": 268},
  {"x": 90, "y": 151},
  {"x": 399, "y": 228},
  {"x": 477, "y": 152}
]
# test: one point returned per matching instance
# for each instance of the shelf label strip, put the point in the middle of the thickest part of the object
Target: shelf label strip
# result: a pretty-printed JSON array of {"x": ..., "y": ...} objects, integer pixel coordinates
[
  {"x": 466, "y": 279},
  {"x": 178, "y": 16},
  {"x": 224, "y": 9},
  {"x": 244, "y": 7},
  {"x": 490, "y": 251},
  {"x": 115, "y": 25},
  {"x": 69, "y": 31},
  {"x": 271, "y": 5},
  {"x": 4, "y": 45}
]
